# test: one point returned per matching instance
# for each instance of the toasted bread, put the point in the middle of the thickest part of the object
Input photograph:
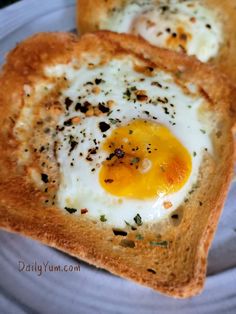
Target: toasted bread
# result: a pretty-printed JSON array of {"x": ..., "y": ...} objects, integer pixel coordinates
[
  {"x": 170, "y": 257},
  {"x": 96, "y": 15}
]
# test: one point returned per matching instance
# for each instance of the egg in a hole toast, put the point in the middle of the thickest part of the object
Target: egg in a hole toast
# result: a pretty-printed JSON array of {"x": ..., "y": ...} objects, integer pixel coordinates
[{"x": 116, "y": 152}]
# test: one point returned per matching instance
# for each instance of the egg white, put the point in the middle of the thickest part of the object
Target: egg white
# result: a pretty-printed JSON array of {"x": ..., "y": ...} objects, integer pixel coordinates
[
  {"x": 206, "y": 30},
  {"x": 79, "y": 184}
]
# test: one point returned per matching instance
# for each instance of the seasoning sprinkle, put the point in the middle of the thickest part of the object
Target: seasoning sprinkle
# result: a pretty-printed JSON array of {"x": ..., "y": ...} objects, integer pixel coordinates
[
  {"x": 71, "y": 210},
  {"x": 103, "y": 218},
  {"x": 44, "y": 177},
  {"x": 138, "y": 220},
  {"x": 104, "y": 126},
  {"x": 163, "y": 244}
]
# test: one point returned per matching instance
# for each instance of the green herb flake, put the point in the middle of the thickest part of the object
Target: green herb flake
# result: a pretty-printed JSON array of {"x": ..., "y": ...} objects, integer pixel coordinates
[
  {"x": 135, "y": 160},
  {"x": 128, "y": 224},
  {"x": 138, "y": 220},
  {"x": 139, "y": 236},
  {"x": 114, "y": 121},
  {"x": 109, "y": 113},
  {"x": 103, "y": 218},
  {"x": 178, "y": 74},
  {"x": 163, "y": 244},
  {"x": 194, "y": 154},
  {"x": 203, "y": 131},
  {"x": 127, "y": 94}
]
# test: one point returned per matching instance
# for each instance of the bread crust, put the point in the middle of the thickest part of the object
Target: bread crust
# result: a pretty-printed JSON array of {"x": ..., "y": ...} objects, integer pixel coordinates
[
  {"x": 182, "y": 266},
  {"x": 91, "y": 19}
]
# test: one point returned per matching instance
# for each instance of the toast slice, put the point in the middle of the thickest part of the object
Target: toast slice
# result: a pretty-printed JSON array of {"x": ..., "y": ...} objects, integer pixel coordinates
[
  {"x": 168, "y": 254},
  {"x": 201, "y": 28}
]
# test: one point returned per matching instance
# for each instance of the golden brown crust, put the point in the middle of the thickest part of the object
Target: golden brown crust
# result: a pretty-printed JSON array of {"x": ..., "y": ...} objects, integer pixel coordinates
[
  {"x": 178, "y": 270},
  {"x": 90, "y": 19},
  {"x": 226, "y": 60},
  {"x": 90, "y": 13}
]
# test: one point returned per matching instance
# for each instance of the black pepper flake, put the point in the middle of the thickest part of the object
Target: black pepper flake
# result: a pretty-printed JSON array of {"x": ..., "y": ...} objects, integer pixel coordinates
[
  {"x": 166, "y": 110},
  {"x": 103, "y": 108},
  {"x": 164, "y": 8},
  {"x": 68, "y": 103},
  {"x": 104, "y": 126},
  {"x": 44, "y": 177},
  {"x": 110, "y": 156},
  {"x": 151, "y": 271},
  {"x": 162, "y": 100},
  {"x": 118, "y": 232},
  {"x": 108, "y": 180},
  {"x": 82, "y": 108},
  {"x": 68, "y": 122},
  {"x": 83, "y": 211},
  {"x": 119, "y": 153},
  {"x": 208, "y": 26},
  {"x": 60, "y": 129},
  {"x": 73, "y": 144},
  {"x": 47, "y": 130},
  {"x": 98, "y": 81},
  {"x": 92, "y": 151},
  {"x": 70, "y": 210},
  {"x": 156, "y": 84},
  {"x": 142, "y": 97}
]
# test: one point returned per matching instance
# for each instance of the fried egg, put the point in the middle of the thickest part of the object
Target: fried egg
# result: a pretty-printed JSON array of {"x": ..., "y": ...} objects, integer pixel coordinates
[
  {"x": 129, "y": 143},
  {"x": 186, "y": 26}
]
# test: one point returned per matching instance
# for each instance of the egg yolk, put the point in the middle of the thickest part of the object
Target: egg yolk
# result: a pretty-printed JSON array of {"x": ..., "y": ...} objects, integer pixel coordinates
[{"x": 145, "y": 160}]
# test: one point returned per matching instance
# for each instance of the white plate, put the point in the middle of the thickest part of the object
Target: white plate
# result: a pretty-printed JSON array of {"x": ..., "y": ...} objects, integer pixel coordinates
[{"x": 92, "y": 290}]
